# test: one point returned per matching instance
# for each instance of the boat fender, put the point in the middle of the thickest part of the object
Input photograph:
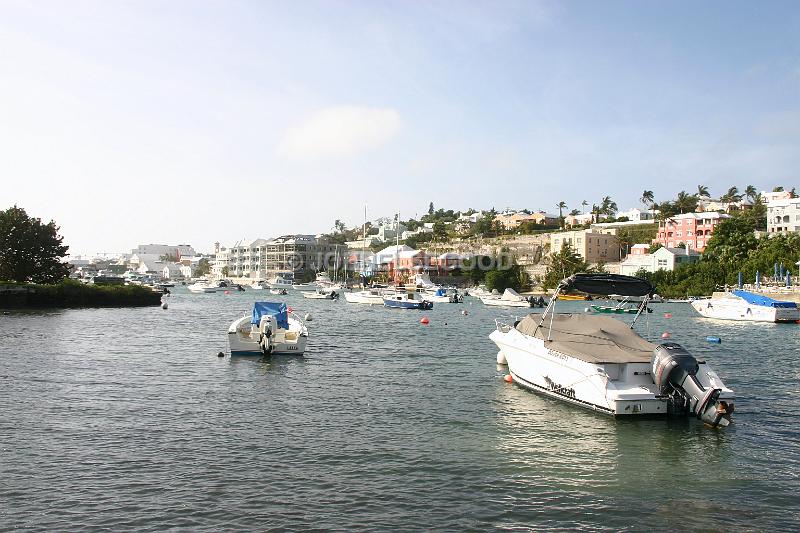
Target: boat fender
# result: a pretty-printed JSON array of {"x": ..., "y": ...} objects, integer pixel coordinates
[
  {"x": 714, "y": 340},
  {"x": 220, "y": 354}
]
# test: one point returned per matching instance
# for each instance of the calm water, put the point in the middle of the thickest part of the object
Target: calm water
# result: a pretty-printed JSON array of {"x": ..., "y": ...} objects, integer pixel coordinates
[{"x": 127, "y": 419}]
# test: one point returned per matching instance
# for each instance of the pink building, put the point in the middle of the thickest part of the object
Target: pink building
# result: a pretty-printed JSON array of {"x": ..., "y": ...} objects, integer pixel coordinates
[{"x": 692, "y": 229}]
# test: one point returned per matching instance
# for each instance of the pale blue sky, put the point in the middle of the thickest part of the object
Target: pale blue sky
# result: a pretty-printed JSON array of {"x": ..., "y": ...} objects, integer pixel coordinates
[{"x": 138, "y": 122}]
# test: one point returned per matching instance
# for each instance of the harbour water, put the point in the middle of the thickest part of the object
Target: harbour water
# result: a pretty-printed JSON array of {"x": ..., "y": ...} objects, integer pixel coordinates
[{"x": 126, "y": 419}]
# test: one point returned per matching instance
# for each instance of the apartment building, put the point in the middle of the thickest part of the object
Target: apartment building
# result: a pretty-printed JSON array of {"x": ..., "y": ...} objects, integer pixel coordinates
[{"x": 692, "y": 229}]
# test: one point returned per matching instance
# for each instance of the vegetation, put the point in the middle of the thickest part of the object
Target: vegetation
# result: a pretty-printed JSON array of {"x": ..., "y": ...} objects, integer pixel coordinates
[
  {"x": 565, "y": 263},
  {"x": 203, "y": 268},
  {"x": 30, "y": 251},
  {"x": 495, "y": 274},
  {"x": 71, "y": 293}
]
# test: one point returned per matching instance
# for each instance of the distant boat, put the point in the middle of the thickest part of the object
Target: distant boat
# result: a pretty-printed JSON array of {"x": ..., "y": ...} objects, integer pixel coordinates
[
  {"x": 407, "y": 300},
  {"x": 622, "y": 308},
  {"x": 367, "y": 296},
  {"x": 269, "y": 329},
  {"x": 573, "y": 297},
  {"x": 747, "y": 306},
  {"x": 510, "y": 298},
  {"x": 321, "y": 294},
  {"x": 281, "y": 281}
]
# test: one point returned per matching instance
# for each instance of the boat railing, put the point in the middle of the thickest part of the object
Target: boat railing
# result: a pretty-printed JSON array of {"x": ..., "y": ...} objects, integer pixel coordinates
[{"x": 504, "y": 324}]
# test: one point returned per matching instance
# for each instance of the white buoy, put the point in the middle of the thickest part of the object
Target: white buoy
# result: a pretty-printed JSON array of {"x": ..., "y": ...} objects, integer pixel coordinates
[
  {"x": 501, "y": 358},
  {"x": 464, "y": 312},
  {"x": 308, "y": 317},
  {"x": 164, "y": 305}
]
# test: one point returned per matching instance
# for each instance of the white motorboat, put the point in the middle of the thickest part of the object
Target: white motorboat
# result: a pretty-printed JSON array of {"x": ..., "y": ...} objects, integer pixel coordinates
[
  {"x": 367, "y": 296},
  {"x": 443, "y": 295},
  {"x": 269, "y": 329},
  {"x": 305, "y": 286},
  {"x": 509, "y": 298},
  {"x": 279, "y": 292},
  {"x": 202, "y": 286},
  {"x": 256, "y": 286},
  {"x": 321, "y": 294},
  {"x": 749, "y": 306},
  {"x": 281, "y": 281},
  {"x": 601, "y": 363}
]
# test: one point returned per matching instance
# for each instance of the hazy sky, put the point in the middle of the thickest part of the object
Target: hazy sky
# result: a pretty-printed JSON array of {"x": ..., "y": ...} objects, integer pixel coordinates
[{"x": 170, "y": 121}]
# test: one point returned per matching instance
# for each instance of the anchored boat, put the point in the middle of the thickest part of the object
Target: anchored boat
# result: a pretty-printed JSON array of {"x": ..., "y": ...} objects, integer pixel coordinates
[
  {"x": 601, "y": 363},
  {"x": 406, "y": 300},
  {"x": 745, "y": 305},
  {"x": 269, "y": 329}
]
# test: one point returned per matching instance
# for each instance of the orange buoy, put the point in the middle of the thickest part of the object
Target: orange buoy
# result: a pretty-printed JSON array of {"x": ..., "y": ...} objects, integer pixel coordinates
[
  {"x": 424, "y": 320},
  {"x": 665, "y": 335},
  {"x": 507, "y": 378},
  {"x": 667, "y": 315}
]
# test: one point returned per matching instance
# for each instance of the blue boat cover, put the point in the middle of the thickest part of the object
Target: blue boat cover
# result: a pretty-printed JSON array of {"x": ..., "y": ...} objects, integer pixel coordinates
[
  {"x": 440, "y": 292},
  {"x": 760, "y": 299},
  {"x": 276, "y": 309}
]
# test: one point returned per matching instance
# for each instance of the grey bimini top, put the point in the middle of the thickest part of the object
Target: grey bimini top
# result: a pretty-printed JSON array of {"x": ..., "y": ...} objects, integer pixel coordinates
[{"x": 590, "y": 338}]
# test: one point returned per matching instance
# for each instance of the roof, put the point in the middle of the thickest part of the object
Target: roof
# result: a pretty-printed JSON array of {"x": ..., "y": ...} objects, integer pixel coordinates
[
  {"x": 679, "y": 251},
  {"x": 700, "y": 215},
  {"x": 590, "y": 338}
]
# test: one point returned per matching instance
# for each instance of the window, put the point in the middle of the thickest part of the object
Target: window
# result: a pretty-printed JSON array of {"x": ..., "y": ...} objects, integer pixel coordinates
[{"x": 662, "y": 262}]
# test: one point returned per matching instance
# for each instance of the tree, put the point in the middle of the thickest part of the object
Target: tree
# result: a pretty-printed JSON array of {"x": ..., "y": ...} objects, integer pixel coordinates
[
  {"x": 30, "y": 251},
  {"x": 339, "y": 226},
  {"x": 777, "y": 189},
  {"x": 702, "y": 190},
  {"x": 226, "y": 270},
  {"x": 574, "y": 212},
  {"x": 430, "y": 208},
  {"x": 584, "y": 203},
  {"x": 608, "y": 206},
  {"x": 732, "y": 241},
  {"x": 751, "y": 193},
  {"x": 685, "y": 202},
  {"x": 564, "y": 263},
  {"x": 439, "y": 231},
  {"x": 647, "y": 198},
  {"x": 561, "y": 206},
  {"x": 203, "y": 268},
  {"x": 731, "y": 196}
]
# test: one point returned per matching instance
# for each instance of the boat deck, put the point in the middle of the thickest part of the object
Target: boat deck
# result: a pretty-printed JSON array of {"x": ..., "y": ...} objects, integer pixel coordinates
[{"x": 590, "y": 338}]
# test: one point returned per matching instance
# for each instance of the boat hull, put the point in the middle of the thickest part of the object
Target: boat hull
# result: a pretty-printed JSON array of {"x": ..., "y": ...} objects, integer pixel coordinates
[
  {"x": 407, "y": 304},
  {"x": 723, "y": 309},
  {"x": 496, "y": 302},
  {"x": 244, "y": 346},
  {"x": 359, "y": 298}
]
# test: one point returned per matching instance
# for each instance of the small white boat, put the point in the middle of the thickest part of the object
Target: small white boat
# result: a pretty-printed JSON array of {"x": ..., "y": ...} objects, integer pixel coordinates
[
  {"x": 256, "y": 286},
  {"x": 305, "y": 286},
  {"x": 279, "y": 292},
  {"x": 202, "y": 286},
  {"x": 321, "y": 294},
  {"x": 281, "y": 281},
  {"x": 510, "y": 298},
  {"x": 443, "y": 295},
  {"x": 367, "y": 296},
  {"x": 747, "y": 306},
  {"x": 269, "y": 329},
  {"x": 601, "y": 363}
]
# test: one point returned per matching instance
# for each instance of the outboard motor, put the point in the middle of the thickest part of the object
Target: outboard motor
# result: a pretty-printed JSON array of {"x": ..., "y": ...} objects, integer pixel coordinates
[{"x": 674, "y": 373}]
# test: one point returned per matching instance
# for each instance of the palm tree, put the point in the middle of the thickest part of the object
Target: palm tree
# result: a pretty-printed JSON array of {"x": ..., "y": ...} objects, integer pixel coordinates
[
  {"x": 584, "y": 204},
  {"x": 686, "y": 202},
  {"x": 751, "y": 192},
  {"x": 732, "y": 195},
  {"x": 647, "y": 198},
  {"x": 561, "y": 205},
  {"x": 608, "y": 206},
  {"x": 702, "y": 190}
]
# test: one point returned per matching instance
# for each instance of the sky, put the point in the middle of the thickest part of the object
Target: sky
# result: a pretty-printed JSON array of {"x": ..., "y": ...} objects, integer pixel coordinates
[{"x": 200, "y": 121}]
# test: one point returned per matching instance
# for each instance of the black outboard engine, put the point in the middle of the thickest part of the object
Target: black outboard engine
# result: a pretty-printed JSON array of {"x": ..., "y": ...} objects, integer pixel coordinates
[{"x": 674, "y": 373}]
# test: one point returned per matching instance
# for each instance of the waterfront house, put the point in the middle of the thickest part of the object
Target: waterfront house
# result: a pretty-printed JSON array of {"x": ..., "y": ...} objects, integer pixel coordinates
[{"x": 692, "y": 229}]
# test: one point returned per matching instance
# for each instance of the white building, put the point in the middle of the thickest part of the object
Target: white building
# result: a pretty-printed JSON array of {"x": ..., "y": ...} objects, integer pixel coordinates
[
  {"x": 637, "y": 215},
  {"x": 184, "y": 250},
  {"x": 661, "y": 259},
  {"x": 172, "y": 271},
  {"x": 783, "y": 216}
]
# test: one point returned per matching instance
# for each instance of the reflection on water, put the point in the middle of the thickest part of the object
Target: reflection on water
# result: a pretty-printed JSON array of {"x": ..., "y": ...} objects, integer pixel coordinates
[{"x": 132, "y": 420}]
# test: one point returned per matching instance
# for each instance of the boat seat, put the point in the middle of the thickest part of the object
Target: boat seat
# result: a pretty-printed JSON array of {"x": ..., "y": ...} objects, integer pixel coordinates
[{"x": 290, "y": 336}]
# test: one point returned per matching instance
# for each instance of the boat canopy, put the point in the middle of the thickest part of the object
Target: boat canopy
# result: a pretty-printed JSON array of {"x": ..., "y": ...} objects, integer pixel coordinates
[
  {"x": 590, "y": 338},
  {"x": 441, "y": 292},
  {"x": 605, "y": 284},
  {"x": 510, "y": 295},
  {"x": 276, "y": 309},
  {"x": 760, "y": 299}
]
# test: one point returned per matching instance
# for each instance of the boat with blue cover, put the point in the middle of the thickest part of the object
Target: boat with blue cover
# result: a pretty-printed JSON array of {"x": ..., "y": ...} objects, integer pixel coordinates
[
  {"x": 269, "y": 329},
  {"x": 749, "y": 306}
]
